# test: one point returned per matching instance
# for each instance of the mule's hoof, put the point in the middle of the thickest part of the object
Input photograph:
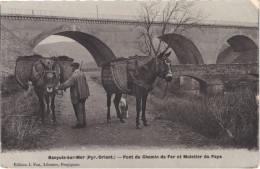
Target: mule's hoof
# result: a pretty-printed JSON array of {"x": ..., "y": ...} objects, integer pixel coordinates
[
  {"x": 138, "y": 126},
  {"x": 108, "y": 121},
  {"x": 55, "y": 121},
  {"x": 122, "y": 120},
  {"x": 146, "y": 124}
]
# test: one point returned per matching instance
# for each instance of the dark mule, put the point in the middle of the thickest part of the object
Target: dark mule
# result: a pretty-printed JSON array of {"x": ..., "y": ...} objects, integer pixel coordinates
[
  {"x": 141, "y": 85},
  {"x": 45, "y": 74},
  {"x": 45, "y": 77}
]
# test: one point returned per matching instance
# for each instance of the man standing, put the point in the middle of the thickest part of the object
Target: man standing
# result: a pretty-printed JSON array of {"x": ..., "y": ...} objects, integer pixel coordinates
[{"x": 79, "y": 92}]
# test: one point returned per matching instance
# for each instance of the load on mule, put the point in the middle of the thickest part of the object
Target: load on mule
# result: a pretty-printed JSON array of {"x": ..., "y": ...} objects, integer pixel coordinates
[
  {"x": 134, "y": 76},
  {"x": 45, "y": 74}
]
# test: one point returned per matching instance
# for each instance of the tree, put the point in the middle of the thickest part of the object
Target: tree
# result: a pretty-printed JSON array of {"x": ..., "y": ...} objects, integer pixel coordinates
[{"x": 158, "y": 19}]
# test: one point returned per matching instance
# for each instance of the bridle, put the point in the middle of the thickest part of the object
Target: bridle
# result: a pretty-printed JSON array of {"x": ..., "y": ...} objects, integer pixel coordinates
[
  {"x": 161, "y": 68},
  {"x": 159, "y": 71},
  {"x": 46, "y": 69},
  {"x": 54, "y": 74},
  {"x": 162, "y": 72},
  {"x": 49, "y": 71}
]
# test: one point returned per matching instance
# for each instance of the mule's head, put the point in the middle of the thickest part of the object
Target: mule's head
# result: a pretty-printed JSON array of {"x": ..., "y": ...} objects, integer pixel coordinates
[
  {"x": 51, "y": 74},
  {"x": 46, "y": 73},
  {"x": 164, "y": 66}
]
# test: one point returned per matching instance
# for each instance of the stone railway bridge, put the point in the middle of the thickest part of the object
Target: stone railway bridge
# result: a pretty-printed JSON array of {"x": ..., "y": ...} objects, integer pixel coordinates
[{"x": 106, "y": 39}]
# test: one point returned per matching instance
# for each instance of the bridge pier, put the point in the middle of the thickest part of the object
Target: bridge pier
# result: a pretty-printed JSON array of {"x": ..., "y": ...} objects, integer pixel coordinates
[
  {"x": 209, "y": 85},
  {"x": 215, "y": 89},
  {"x": 212, "y": 85}
]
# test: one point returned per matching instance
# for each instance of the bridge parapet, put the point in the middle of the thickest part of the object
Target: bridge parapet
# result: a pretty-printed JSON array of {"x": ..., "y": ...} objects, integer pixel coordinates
[
  {"x": 125, "y": 21},
  {"x": 199, "y": 70}
]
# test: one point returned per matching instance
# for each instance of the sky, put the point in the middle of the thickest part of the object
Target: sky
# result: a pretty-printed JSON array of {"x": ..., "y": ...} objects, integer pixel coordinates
[{"x": 221, "y": 10}]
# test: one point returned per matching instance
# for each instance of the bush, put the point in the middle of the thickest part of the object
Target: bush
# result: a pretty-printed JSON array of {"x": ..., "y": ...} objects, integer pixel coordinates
[
  {"x": 233, "y": 115},
  {"x": 19, "y": 128},
  {"x": 9, "y": 86},
  {"x": 238, "y": 112},
  {"x": 23, "y": 102},
  {"x": 192, "y": 112},
  {"x": 19, "y": 132}
]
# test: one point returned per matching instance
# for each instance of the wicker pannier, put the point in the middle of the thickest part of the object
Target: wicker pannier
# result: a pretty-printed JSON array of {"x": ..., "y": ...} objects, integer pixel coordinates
[
  {"x": 23, "y": 69},
  {"x": 66, "y": 70},
  {"x": 116, "y": 75},
  {"x": 24, "y": 64}
]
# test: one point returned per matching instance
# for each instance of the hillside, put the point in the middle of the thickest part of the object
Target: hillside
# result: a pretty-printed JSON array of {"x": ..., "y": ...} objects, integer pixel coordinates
[{"x": 71, "y": 49}]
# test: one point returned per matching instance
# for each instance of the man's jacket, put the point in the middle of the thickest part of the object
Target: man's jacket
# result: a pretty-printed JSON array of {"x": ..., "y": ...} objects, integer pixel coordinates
[{"x": 78, "y": 86}]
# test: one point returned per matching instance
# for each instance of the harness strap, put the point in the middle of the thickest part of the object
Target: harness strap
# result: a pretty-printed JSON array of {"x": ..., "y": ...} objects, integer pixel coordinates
[{"x": 165, "y": 91}]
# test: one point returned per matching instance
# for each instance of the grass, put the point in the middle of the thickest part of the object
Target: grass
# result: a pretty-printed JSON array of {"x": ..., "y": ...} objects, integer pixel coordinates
[
  {"x": 20, "y": 102},
  {"x": 9, "y": 86},
  {"x": 20, "y": 133},
  {"x": 232, "y": 118},
  {"x": 238, "y": 113},
  {"x": 19, "y": 127}
]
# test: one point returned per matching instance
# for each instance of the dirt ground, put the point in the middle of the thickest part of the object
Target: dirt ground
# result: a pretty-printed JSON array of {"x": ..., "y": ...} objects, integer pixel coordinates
[{"x": 160, "y": 133}]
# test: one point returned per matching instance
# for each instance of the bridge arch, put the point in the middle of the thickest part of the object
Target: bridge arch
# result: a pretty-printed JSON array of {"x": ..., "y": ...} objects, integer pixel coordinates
[
  {"x": 187, "y": 53},
  {"x": 201, "y": 82},
  {"x": 238, "y": 48},
  {"x": 101, "y": 53},
  {"x": 185, "y": 49},
  {"x": 241, "y": 43}
]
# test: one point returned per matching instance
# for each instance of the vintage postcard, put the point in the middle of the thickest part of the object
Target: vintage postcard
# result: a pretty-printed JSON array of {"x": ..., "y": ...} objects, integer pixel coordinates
[{"x": 130, "y": 84}]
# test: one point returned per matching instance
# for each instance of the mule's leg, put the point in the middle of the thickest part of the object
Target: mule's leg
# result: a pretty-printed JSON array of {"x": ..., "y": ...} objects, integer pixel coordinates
[
  {"x": 42, "y": 106},
  {"x": 41, "y": 102},
  {"x": 108, "y": 107},
  {"x": 47, "y": 99},
  {"x": 144, "y": 99},
  {"x": 138, "y": 109},
  {"x": 116, "y": 102},
  {"x": 53, "y": 108}
]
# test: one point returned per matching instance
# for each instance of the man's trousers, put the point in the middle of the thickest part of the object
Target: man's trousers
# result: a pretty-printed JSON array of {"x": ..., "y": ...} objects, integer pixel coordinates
[{"x": 80, "y": 112}]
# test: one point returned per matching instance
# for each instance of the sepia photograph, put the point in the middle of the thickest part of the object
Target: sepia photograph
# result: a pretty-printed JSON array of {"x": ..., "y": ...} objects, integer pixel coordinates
[{"x": 129, "y": 84}]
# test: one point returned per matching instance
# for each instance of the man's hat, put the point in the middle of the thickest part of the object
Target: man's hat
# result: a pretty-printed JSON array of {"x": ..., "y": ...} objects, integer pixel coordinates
[{"x": 75, "y": 64}]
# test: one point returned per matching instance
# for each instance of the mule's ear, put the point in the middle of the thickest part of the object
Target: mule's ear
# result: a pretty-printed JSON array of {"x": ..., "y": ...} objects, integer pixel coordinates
[
  {"x": 37, "y": 70},
  {"x": 161, "y": 55},
  {"x": 45, "y": 67},
  {"x": 55, "y": 59},
  {"x": 168, "y": 54},
  {"x": 55, "y": 62}
]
